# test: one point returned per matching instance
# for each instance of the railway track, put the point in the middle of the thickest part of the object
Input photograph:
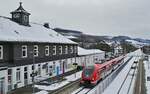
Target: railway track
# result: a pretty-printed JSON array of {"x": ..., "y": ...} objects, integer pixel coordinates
[
  {"x": 140, "y": 80},
  {"x": 82, "y": 90}
]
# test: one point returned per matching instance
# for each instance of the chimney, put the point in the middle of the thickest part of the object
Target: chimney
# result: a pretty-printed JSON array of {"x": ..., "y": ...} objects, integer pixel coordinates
[{"x": 46, "y": 25}]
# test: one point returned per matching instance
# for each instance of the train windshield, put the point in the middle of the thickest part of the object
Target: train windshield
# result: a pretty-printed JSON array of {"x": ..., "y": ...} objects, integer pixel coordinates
[{"x": 88, "y": 71}]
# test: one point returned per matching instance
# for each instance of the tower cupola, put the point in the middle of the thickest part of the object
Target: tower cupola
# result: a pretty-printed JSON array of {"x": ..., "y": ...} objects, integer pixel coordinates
[{"x": 21, "y": 16}]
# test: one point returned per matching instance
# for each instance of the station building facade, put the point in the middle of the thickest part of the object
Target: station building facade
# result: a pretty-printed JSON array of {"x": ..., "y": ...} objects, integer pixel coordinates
[{"x": 27, "y": 47}]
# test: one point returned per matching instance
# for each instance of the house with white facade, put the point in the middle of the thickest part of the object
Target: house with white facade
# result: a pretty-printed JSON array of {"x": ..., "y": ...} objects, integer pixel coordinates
[
  {"x": 89, "y": 56},
  {"x": 30, "y": 49}
]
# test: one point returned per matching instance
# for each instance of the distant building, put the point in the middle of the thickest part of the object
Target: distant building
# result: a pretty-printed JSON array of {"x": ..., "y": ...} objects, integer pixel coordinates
[
  {"x": 118, "y": 50},
  {"x": 90, "y": 56}
]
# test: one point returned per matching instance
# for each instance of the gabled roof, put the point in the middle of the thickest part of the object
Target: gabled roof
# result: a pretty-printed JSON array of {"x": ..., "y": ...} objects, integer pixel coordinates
[
  {"x": 12, "y": 32},
  {"x": 20, "y": 9},
  {"x": 82, "y": 51}
]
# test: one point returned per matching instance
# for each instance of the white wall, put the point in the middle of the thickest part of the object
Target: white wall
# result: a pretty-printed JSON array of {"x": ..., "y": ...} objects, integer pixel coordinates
[{"x": 3, "y": 74}]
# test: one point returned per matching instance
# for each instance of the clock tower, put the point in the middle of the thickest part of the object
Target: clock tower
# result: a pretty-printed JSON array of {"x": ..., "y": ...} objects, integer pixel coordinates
[{"x": 21, "y": 16}]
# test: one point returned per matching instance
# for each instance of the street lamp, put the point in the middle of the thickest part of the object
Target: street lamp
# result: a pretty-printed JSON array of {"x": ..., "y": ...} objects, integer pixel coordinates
[{"x": 75, "y": 65}]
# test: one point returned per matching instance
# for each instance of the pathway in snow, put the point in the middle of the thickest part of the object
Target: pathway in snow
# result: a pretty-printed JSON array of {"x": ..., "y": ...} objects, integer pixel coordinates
[{"x": 147, "y": 74}]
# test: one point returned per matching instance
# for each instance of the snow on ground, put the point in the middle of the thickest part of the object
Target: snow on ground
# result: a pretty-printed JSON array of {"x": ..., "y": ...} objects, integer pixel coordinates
[
  {"x": 136, "y": 43},
  {"x": 42, "y": 92},
  {"x": 116, "y": 84},
  {"x": 55, "y": 86},
  {"x": 74, "y": 77},
  {"x": 147, "y": 73}
]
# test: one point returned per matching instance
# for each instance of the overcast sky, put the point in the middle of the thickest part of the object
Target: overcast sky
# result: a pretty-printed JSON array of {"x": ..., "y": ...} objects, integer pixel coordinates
[{"x": 96, "y": 17}]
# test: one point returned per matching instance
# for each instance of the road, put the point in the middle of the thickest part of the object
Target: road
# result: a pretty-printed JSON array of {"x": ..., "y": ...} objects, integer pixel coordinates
[{"x": 140, "y": 80}]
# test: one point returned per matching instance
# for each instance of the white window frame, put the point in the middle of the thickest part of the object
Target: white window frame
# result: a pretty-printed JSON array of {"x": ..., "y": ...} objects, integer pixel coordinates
[
  {"x": 76, "y": 49},
  {"x": 47, "y": 50},
  {"x": 24, "y": 46},
  {"x": 36, "y": 51},
  {"x": 18, "y": 74},
  {"x": 1, "y": 50},
  {"x": 71, "y": 49},
  {"x": 54, "y": 50},
  {"x": 60, "y": 50},
  {"x": 66, "y": 49},
  {"x": 9, "y": 76}
]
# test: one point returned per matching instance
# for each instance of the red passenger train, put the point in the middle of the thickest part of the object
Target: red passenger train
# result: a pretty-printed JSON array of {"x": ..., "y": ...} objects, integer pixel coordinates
[{"x": 94, "y": 73}]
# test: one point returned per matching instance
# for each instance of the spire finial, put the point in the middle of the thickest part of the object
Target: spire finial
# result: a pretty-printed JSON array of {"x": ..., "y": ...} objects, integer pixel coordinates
[{"x": 20, "y": 3}]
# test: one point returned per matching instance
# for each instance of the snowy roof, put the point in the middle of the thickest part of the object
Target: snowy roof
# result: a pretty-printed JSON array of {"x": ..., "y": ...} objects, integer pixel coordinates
[
  {"x": 82, "y": 51},
  {"x": 118, "y": 47},
  {"x": 71, "y": 37},
  {"x": 12, "y": 32},
  {"x": 20, "y": 9}
]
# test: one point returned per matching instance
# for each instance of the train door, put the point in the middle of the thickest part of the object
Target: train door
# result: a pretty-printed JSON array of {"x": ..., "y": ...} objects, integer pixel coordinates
[{"x": 103, "y": 72}]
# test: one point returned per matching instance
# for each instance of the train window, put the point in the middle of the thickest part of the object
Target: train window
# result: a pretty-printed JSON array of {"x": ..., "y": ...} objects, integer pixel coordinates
[{"x": 88, "y": 71}]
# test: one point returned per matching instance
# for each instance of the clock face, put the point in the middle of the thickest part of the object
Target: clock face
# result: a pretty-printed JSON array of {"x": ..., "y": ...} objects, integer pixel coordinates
[
  {"x": 25, "y": 18},
  {"x": 16, "y": 15}
]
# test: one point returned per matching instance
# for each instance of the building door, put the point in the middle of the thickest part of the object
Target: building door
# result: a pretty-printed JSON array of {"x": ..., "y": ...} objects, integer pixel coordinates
[
  {"x": 25, "y": 75},
  {"x": 57, "y": 70},
  {"x": 63, "y": 67},
  {"x": 2, "y": 86}
]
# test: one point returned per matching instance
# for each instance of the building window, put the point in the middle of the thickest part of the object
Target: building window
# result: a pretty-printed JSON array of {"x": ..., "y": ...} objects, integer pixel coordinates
[
  {"x": 54, "y": 67},
  {"x": 71, "y": 49},
  {"x": 32, "y": 67},
  {"x": 54, "y": 50},
  {"x": 25, "y": 73},
  {"x": 18, "y": 75},
  {"x": 1, "y": 52},
  {"x": 76, "y": 49},
  {"x": 60, "y": 50},
  {"x": 24, "y": 51},
  {"x": 61, "y": 65},
  {"x": 9, "y": 76},
  {"x": 46, "y": 68},
  {"x": 39, "y": 69},
  {"x": 66, "y": 49},
  {"x": 35, "y": 50},
  {"x": 50, "y": 70},
  {"x": 46, "y": 50}
]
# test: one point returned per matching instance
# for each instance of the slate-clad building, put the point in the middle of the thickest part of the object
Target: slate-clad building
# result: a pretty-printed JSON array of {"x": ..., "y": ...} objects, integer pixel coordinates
[{"x": 23, "y": 43}]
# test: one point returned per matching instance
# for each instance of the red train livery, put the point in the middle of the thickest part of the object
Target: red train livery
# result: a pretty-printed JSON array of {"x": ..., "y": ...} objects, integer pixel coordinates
[{"x": 94, "y": 73}]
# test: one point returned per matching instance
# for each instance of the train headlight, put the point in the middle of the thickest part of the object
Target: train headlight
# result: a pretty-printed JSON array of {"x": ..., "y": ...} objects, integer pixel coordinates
[{"x": 93, "y": 78}]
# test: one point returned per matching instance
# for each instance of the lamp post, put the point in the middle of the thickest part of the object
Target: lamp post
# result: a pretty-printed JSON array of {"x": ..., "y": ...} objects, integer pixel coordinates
[{"x": 75, "y": 64}]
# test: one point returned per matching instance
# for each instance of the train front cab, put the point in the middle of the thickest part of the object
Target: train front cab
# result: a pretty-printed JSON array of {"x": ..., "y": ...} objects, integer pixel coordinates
[{"x": 89, "y": 76}]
